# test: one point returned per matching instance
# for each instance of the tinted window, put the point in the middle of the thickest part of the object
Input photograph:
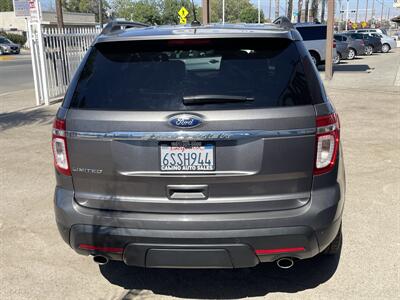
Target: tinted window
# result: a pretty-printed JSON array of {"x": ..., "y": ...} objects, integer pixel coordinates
[
  {"x": 338, "y": 37},
  {"x": 309, "y": 33},
  {"x": 4, "y": 41},
  {"x": 157, "y": 75}
]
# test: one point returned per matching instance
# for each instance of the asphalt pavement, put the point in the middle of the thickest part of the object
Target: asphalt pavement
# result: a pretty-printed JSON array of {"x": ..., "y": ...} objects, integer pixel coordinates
[
  {"x": 16, "y": 83},
  {"x": 36, "y": 264}
]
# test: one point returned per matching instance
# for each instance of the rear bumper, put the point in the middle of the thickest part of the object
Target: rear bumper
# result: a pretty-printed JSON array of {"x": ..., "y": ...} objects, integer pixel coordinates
[{"x": 202, "y": 240}]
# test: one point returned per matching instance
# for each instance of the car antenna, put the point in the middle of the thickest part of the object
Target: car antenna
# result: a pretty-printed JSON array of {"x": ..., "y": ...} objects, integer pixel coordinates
[{"x": 195, "y": 22}]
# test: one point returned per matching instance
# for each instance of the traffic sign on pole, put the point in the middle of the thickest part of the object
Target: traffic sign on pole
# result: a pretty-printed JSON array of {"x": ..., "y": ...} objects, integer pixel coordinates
[
  {"x": 21, "y": 8},
  {"x": 182, "y": 15}
]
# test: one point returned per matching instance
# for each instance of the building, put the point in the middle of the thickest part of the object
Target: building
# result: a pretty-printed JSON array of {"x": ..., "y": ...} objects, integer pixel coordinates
[{"x": 9, "y": 22}]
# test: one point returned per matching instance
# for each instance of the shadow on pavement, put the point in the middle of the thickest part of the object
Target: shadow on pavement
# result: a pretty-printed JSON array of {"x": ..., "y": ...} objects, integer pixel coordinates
[
  {"x": 26, "y": 117},
  {"x": 216, "y": 284},
  {"x": 346, "y": 67}
]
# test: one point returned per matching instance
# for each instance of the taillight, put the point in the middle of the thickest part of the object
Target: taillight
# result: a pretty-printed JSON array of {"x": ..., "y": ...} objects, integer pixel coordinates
[
  {"x": 334, "y": 44},
  {"x": 327, "y": 143},
  {"x": 59, "y": 145}
]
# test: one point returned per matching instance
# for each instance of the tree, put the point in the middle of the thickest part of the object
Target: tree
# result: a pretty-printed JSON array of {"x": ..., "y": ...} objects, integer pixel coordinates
[
  {"x": 306, "y": 7},
  {"x": 6, "y": 5},
  {"x": 290, "y": 9},
  {"x": 235, "y": 11},
  {"x": 299, "y": 10},
  {"x": 314, "y": 10},
  {"x": 323, "y": 4},
  {"x": 86, "y": 6}
]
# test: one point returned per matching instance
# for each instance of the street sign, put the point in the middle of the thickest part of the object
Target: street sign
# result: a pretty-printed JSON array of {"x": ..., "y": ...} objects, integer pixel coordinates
[
  {"x": 354, "y": 25},
  {"x": 182, "y": 15},
  {"x": 364, "y": 24},
  {"x": 21, "y": 8},
  {"x": 34, "y": 10}
]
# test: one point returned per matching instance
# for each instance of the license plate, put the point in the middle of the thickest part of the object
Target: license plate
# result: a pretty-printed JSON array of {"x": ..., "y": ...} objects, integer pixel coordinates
[{"x": 187, "y": 156}]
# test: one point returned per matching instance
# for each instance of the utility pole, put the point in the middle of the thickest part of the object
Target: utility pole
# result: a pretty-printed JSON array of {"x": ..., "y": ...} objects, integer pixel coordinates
[
  {"x": 323, "y": 4},
  {"x": 101, "y": 13},
  {"x": 373, "y": 10},
  {"x": 382, "y": 11},
  {"x": 59, "y": 12},
  {"x": 366, "y": 12},
  {"x": 347, "y": 13},
  {"x": 206, "y": 11},
  {"x": 357, "y": 11},
  {"x": 259, "y": 11},
  {"x": 329, "y": 41}
]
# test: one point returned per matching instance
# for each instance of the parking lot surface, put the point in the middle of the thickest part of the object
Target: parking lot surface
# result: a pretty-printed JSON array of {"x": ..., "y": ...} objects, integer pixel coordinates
[{"x": 36, "y": 264}]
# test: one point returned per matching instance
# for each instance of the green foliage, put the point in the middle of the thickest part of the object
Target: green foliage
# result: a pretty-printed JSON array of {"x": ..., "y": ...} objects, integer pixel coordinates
[
  {"x": 236, "y": 11},
  {"x": 86, "y": 6},
  {"x": 6, "y": 5},
  {"x": 15, "y": 38}
]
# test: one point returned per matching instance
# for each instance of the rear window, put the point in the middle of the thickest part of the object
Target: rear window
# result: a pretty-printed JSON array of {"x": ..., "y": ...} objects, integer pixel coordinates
[
  {"x": 309, "y": 33},
  {"x": 159, "y": 75}
]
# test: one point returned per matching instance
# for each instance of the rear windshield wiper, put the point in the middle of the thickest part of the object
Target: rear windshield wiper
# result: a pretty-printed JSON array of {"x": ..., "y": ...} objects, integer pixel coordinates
[{"x": 211, "y": 99}]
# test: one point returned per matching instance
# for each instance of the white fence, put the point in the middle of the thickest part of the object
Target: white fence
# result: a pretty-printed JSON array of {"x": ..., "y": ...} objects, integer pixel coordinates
[{"x": 56, "y": 54}]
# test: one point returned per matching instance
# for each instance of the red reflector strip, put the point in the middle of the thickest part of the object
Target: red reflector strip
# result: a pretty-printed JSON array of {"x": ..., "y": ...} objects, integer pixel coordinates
[
  {"x": 103, "y": 249},
  {"x": 280, "y": 250}
]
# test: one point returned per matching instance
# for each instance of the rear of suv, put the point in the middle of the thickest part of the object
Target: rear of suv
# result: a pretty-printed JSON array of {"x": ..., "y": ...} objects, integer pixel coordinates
[{"x": 198, "y": 147}]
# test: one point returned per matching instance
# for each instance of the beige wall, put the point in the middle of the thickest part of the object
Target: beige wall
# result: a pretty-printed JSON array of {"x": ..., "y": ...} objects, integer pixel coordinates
[{"x": 8, "y": 21}]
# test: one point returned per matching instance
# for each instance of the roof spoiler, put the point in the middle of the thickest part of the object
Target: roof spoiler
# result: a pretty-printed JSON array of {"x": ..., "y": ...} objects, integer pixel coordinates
[
  {"x": 283, "y": 22},
  {"x": 122, "y": 25}
]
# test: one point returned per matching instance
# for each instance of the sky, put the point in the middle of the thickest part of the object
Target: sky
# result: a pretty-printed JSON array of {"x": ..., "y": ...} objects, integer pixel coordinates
[{"x": 388, "y": 4}]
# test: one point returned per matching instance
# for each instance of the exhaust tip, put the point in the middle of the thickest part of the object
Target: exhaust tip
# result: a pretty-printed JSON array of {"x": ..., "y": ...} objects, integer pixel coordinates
[
  {"x": 285, "y": 263},
  {"x": 100, "y": 260}
]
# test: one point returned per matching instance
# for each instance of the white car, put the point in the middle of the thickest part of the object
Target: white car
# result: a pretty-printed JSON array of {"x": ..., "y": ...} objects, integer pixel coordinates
[{"x": 314, "y": 38}]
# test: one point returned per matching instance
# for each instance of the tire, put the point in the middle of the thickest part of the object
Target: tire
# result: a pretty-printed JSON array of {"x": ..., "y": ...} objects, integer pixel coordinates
[
  {"x": 369, "y": 50},
  {"x": 385, "y": 48},
  {"x": 336, "y": 59},
  {"x": 352, "y": 54},
  {"x": 315, "y": 58},
  {"x": 336, "y": 246}
]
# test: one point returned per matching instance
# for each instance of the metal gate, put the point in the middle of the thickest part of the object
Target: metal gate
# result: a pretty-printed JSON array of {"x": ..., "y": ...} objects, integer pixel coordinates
[{"x": 56, "y": 54}]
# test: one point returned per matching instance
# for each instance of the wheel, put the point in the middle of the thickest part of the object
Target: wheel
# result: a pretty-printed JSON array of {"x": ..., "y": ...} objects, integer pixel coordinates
[
  {"x": 336, "y": 59},
  {"x": 385, "y": 48},
  {"x": 352, "y": 54},
  {"x": 368, "y": 50},
  {"x": 336, "y": 245},
  {"x": 314, "y": 58}
]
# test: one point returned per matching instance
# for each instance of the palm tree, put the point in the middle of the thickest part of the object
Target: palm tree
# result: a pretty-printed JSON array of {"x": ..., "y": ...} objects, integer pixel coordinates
[
  {"x": 290, "y": 9},
  {"x": 323, "y": 11},
  {"x": 277, "y": 9},
  {"x": 306, "y": 10},
  {"x": 299, "y": 10},
  {"x": 314, "y": 10}
]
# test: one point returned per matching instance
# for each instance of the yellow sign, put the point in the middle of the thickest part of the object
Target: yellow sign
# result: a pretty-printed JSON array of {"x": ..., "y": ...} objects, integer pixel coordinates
[
  {"x": 354, "y": 25},
  {"x": 364, "y": 24},
  {"x": 182, "y": 15}
]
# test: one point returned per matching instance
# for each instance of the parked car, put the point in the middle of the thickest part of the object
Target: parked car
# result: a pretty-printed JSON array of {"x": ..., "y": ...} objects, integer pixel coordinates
[
  {"x": 175, "y": 147},
  {"x": 314, "y": 38},
  {"x": 342, "y": 50},
  {"x": 356, "y": 47},
  {"x": 8, "y": 47},
  {"x": 372, "y": 44},
  {"x": 388, "y": 43}
]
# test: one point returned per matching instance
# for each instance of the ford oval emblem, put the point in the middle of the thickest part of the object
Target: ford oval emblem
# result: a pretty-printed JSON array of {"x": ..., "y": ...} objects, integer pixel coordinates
[{"x": 185, "y": 121}]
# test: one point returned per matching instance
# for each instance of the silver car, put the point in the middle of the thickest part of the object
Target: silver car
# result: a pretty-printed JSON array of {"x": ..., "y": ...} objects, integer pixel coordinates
[
  {"x": 388, "y": 43},
  {"x": 198, "y": 147},
  {"x": 8, "y": 47}
]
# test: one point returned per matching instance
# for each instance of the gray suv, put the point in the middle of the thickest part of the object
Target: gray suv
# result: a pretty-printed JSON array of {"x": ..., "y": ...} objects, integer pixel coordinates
[{"x": 198, "y": 147}]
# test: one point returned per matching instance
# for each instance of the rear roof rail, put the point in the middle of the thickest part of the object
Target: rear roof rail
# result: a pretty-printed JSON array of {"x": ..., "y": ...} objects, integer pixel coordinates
[
  {"x": 283, "y": 22},
  {"x": 122, "y": 25}
]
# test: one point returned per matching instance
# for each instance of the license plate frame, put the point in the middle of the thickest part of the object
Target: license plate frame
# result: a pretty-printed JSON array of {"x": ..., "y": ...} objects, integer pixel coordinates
[{"x": 187, "y": 146}]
